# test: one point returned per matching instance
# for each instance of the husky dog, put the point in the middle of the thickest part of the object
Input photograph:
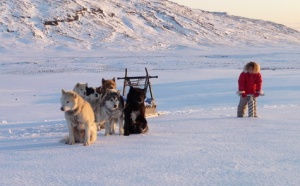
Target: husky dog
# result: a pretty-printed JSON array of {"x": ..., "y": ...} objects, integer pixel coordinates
[
  {"x": 80, "y": 118},
  {"x": 135, "y": 121},
  {"x": 80, "y": 88},
  {"x": 107, "y": 84},
  {"x": 91, "y": 94},
  {"x": 95, "y": 101},
  {"x": 112, "y": 111}
]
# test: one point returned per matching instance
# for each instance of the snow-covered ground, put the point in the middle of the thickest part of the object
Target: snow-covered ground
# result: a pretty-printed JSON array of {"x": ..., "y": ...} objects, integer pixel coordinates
[{"x": 196, "y": 141}]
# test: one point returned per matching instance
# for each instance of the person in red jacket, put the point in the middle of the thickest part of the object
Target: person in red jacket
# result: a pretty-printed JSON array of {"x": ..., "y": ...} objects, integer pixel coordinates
[{"x": 250, "y": 82}]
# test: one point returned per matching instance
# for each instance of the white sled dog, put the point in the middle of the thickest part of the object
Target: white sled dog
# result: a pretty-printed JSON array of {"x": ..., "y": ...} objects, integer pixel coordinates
[
  {"x": 112, "y": 111},
  {"x": 80, "y": 118},
  {"x": 80, "y": 88}
]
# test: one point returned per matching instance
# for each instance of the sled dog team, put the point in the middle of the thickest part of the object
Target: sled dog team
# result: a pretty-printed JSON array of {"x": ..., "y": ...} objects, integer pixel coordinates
[{"x": 88, "y": 110}]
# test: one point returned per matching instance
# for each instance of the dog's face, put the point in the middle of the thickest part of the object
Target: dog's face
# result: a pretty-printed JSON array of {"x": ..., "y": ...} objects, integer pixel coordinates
[
  {"x": 91, "y": 93},
  {"x": 112, "y": 100},
  {"x": 108, "y": 84},
  {"x": 136, "y": 95},
  {"x": 80, "y": 89},
  {"x": 68, "y": 101}
]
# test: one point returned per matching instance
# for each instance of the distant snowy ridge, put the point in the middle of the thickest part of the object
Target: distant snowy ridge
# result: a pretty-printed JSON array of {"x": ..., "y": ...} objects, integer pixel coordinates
[{"x": 130, "y": 25}]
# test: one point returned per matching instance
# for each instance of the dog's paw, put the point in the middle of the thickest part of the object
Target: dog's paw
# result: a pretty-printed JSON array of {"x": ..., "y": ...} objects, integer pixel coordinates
[
  {"x": 69, "y": 142},
  {"x": 86, "y": 143},
  {"x": 126, "y": 134}
]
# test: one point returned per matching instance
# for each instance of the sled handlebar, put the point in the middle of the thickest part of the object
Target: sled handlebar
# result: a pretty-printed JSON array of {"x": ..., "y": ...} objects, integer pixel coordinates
[
  {"x": 137, "y": 77},
  {"x": 239, "y": 94},
  {"x": 253, "y": 94}
]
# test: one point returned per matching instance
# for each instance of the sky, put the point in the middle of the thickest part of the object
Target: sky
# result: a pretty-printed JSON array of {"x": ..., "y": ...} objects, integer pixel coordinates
[{"x": 286, "y": 12}]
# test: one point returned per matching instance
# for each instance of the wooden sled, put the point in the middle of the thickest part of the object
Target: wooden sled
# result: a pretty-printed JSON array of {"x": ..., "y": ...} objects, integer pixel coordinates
[{"x": 142, "y": 82}]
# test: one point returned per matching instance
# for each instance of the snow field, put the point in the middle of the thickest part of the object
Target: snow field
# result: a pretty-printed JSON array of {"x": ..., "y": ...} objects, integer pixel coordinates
[{"x": 197, "y": 139}]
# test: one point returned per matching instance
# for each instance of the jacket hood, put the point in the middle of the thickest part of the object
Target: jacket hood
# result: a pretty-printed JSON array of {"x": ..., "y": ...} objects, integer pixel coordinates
[{"x": 256, "y": 67}]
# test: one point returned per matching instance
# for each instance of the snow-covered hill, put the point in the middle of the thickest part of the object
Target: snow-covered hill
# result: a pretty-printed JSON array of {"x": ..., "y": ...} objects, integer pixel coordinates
[{"x": 128, "y": 24}]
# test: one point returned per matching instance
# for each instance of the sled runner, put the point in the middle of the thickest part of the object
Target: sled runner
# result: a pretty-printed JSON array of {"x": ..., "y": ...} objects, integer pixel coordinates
[{"x": 141, "y": 82}]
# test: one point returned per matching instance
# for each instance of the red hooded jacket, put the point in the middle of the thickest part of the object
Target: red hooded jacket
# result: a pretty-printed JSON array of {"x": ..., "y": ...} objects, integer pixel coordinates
[{"x": 250, "y": 82}]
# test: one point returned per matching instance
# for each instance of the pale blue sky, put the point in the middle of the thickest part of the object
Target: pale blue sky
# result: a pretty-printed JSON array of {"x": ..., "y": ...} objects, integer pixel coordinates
[{"x": 285, "y": 12}]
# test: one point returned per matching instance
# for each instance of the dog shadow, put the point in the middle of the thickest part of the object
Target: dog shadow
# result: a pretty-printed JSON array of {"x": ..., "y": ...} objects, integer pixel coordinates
[
  {"x": 29, "y": 145},
  {"x": 32, "y": 136}
]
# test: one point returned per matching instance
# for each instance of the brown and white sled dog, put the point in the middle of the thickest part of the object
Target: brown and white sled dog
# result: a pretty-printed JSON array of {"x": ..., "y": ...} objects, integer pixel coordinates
[
  {"x": 112, "y": 111},
  {"x": 80, "y": 118},
  {"x": 107, "y": 84}
]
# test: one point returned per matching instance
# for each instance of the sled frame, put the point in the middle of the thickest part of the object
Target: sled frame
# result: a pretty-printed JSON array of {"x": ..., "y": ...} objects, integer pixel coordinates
[{"x": 141, "y": 81}]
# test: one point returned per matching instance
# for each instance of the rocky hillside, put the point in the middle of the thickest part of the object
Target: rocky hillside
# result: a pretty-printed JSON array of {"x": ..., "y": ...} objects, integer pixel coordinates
[{"x": 130, "y": 25}]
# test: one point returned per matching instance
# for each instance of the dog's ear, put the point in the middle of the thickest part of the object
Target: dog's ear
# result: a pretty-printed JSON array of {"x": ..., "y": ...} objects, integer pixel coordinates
[
  {"x": 63, "y": 91},
  {"x": 78, "y": 84},
  {"x": 103, "y": 80},
  {"x": 114, "y": 80}
]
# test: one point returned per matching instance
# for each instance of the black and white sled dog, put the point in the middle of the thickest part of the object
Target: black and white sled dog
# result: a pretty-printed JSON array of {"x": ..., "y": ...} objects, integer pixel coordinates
[
  {"x": 90, "y": 95},
  {"x": 112, "y": 111},
  {"x": 134, "y": 112},
  {"x": 95, "y": 100}
]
